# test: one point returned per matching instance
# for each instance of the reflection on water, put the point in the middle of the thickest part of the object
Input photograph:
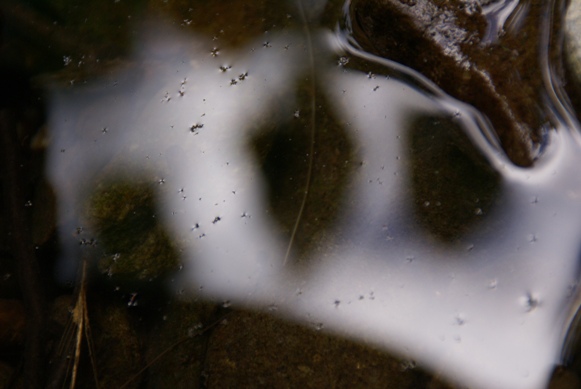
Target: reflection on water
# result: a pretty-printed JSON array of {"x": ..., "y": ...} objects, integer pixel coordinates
[{"x": 418, "y": 234}]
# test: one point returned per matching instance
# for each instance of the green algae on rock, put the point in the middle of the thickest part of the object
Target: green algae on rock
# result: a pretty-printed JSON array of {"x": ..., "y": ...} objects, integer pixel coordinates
[{"x": 134, "y": 242}]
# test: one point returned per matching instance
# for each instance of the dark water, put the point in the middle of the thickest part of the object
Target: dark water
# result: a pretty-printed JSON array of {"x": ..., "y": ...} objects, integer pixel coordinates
[{"x": 275, "y": 166}]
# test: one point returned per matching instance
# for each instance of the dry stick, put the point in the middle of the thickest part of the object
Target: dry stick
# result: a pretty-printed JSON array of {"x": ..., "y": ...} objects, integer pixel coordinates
[
  {"x": 77, "y": 325},
  {"x": 90, "y": 346},
  {"x": 81, "y": 319},
  {"x": 170, "y": 348},
  {"x": 27, "y": 266},
  {"x": 78, "y": 318},
  {"x": 313, "y": 120}
]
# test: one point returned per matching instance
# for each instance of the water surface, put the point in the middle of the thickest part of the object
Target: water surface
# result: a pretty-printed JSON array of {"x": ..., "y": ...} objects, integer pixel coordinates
[{"x": 345, "y": 192}]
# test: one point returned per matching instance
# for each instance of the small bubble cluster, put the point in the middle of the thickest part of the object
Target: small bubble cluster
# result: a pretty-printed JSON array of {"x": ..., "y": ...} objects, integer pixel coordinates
[
  {"x": 88, "y": 242},
  {"x": 194, "y": 128},
  {"x": 241, "y": 77},
  {"x": 182, "y": 90},
  {"x": 408, "y": 365},
  {"x": 166, "y": 98}
]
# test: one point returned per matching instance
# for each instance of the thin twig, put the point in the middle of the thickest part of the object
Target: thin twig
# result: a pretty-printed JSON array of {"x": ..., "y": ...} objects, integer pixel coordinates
[{"x": 313, "y": 118}]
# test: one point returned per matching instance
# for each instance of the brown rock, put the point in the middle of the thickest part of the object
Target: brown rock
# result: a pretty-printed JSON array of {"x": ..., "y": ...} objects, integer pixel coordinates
[
  {"x": 453, "y": 43},
  {"x": 253, "y": 350}
]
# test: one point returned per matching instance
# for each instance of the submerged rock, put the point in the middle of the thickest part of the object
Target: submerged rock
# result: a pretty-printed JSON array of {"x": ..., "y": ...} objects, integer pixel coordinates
[
  {"x": 256, "y": 350},
  {"x": 474, "y": 53}
]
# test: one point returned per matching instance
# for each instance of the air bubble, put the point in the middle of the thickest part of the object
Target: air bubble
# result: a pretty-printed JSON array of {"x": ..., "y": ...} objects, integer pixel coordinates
[
  {"x": 343, "y": 61},
  {"x": 459, "y": 320},
  {"x": 195, "y": 330},
  {"x": 530, "y": 302},
  {"x": 408, "y": 365}
]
